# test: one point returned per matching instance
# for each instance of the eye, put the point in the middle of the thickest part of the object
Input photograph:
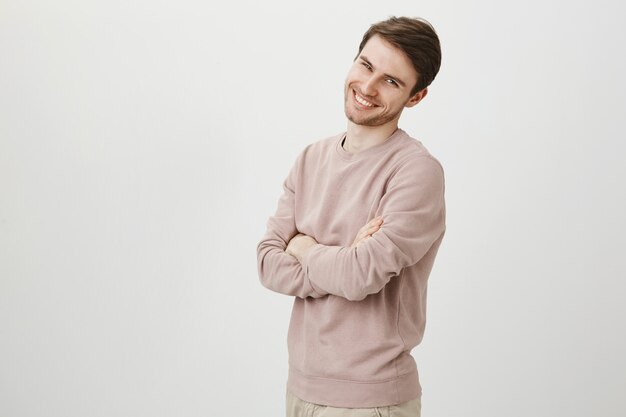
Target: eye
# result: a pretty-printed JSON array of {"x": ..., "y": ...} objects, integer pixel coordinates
[
  {"x": 391, "y": 81},
  {"x": 366, "y": 65}
]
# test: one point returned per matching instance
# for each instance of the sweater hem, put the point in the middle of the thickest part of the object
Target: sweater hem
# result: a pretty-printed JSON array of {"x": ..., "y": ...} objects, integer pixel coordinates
[{"x": 354, "y": 394}]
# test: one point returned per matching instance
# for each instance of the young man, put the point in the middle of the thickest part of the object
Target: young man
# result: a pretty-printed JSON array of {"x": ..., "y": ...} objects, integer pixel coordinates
[{"x": 355, "y": 236}]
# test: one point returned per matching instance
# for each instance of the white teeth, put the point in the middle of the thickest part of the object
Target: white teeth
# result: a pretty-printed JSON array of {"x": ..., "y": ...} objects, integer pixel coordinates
[{"x": 362, "y": 100}]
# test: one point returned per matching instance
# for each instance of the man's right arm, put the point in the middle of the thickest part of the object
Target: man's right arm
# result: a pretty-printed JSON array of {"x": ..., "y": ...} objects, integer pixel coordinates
[{"x": 278, "y": 270}]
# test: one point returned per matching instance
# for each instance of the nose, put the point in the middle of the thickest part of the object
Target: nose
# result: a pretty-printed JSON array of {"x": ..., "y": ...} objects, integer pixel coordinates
[{"x": 368, "y": 87}]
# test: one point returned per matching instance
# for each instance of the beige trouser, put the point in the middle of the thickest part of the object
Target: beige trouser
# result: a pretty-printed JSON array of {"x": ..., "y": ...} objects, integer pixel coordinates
[{"x": 299, "y": 408}]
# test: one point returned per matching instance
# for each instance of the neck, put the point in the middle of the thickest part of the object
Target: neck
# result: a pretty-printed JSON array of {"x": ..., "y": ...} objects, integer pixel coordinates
[{"x": 360, "y": 138}]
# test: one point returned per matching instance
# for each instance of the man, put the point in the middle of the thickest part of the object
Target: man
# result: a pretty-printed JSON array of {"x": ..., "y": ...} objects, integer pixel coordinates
[{"x": 355, "y": 236}]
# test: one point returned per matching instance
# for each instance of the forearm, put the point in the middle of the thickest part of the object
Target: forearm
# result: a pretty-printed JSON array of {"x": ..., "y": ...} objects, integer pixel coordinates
[
  {"x": 281, "y": 272},
  {"x": 352, "y": 272}
]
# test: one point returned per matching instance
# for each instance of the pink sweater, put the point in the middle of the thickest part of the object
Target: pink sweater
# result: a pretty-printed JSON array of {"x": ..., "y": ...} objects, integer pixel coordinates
[{"x": 359, "y": 311}]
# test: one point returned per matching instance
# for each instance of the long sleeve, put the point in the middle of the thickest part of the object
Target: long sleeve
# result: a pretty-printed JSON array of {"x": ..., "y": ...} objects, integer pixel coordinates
[
  {"x": 413, "y": 212},
  {"x": 278, "y": 270}
]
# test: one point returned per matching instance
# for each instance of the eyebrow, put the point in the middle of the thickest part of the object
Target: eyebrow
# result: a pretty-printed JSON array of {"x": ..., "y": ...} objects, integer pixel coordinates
[{"x": 363, "y": 58}]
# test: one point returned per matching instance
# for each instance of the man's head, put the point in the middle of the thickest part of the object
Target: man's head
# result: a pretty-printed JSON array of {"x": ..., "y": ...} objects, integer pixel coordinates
[
  {"x": 397, "y": 60},
  {"x": 417, "y": 39}
]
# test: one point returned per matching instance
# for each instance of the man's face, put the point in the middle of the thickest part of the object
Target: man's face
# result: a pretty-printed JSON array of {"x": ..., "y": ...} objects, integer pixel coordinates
[{"x": 379, "y": 84}]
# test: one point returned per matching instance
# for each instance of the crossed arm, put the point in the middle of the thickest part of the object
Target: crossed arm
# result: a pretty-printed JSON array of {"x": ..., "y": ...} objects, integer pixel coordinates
[
  {"x": 300, "y": 244},
  {"x": 414, "y": 216},
  {"x": 280, "y": 258}
]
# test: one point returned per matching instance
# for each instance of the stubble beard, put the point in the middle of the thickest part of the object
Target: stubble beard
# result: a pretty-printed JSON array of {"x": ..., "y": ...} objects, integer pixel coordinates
[{"x": 372, "y": 121}]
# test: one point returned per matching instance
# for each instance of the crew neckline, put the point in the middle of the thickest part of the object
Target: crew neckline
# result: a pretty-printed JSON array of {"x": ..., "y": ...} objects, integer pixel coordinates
[{"x": 389, "y": 142}]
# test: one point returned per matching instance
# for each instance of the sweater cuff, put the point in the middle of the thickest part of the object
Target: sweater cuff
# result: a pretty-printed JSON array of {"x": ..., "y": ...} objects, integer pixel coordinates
[{"x": 305, "y": 262}]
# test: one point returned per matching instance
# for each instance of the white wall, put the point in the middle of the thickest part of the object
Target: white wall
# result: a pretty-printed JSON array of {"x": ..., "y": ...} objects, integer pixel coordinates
[{"x": 143, "y": 145}]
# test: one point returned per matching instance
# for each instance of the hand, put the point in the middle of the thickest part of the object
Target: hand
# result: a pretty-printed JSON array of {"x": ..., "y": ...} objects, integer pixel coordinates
[
  {"x": 299, "y": 244},
  {"x": 368, "y": 230}
]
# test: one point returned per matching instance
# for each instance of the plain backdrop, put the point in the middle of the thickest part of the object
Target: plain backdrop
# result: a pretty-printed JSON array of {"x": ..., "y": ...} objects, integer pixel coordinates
[{"x": 143, "y": 145}]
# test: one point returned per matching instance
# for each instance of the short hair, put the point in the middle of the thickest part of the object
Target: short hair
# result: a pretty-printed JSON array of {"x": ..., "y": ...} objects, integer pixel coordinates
[{"x": 417, "y": 39}]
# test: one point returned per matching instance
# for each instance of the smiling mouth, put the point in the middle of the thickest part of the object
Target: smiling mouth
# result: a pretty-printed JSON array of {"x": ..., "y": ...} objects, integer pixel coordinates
[{"x": 362, "y": 101}]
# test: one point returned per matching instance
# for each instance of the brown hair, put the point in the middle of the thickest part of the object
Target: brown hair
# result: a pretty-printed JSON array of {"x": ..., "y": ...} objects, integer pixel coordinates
[{"x": 417, "y": 39}]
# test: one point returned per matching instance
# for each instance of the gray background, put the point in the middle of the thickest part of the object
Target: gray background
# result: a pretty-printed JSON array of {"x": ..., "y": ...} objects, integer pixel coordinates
[{"x": 143, "y": 145}]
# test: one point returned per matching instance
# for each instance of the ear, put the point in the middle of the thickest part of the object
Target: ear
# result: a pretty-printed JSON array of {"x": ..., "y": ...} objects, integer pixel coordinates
[{"x": 416, "y": 98}]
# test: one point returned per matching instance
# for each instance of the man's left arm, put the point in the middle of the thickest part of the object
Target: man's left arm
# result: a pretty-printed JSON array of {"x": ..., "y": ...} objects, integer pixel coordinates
[{"x": 413, "y": 212}]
